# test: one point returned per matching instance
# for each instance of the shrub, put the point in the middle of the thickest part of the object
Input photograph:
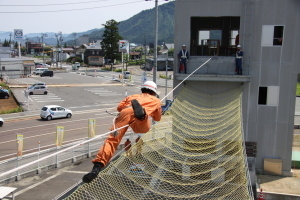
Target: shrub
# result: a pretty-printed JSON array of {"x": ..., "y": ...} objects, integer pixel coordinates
[
  {"x": 163, "y": 76},
  {"x": 15, "y": 110}
]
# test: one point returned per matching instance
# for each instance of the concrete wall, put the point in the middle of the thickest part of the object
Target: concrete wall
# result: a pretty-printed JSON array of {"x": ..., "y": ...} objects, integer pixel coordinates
[{"x": 270, "y": 126}]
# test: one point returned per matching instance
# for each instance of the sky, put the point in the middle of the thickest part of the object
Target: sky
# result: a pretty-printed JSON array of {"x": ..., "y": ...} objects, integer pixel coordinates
[{"x": 67, "y": 16}]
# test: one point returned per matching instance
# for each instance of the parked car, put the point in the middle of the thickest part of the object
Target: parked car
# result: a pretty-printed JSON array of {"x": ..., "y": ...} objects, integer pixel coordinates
[
  {"x": 53, "y": 111},
  {"x": 38, "y": 89},
  {"x": 37, "y": 84},
  {"x": 36, "y": 64},
  {"x": 47, "y": 73},
  {"x": 4, "y": 95},
  {"x": 126, "y": 75},
  {"x": 5, "y": 90},
  {"x": 38, "y": 71},
  {"x": 1, "y": 122}
]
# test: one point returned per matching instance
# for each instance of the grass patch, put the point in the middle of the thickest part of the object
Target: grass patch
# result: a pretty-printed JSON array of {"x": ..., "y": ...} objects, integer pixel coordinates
[
  {"x": 15, "y": 110},
  {"x": 4, "y": 86},
  {"x": 163, "y": 76},
  {"x": 298, "y": 89},
  {"x": 109, "y": 69}
]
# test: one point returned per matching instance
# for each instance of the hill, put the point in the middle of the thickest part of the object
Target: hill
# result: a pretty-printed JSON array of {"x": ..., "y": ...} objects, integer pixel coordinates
[
  {"x": 137, "y": 29},
  {"x": 140, "y": 27}
]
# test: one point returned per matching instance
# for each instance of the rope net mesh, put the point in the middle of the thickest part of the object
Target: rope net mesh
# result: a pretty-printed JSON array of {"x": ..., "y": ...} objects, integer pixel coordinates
[{"x": 195, "y": 152}]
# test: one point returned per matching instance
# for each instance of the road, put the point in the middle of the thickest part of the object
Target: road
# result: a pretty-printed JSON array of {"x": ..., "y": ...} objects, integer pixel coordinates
[{"x": 87, "y": 96}]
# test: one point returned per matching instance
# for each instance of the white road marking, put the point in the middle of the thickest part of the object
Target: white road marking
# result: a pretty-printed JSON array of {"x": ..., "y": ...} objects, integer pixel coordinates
[
  {"x": 76, "y": 172},
  {"x": 50, "y": 101},
  {"x": 37, "y": 184}
]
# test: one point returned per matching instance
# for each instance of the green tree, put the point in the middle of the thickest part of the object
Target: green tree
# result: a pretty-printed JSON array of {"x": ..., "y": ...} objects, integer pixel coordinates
[
  {"x": 16, "y": 46},
  {"x": 111, "y": 37},
  {"x": 47, "y": 48},
  {"x": 6, "y": 43},
  {"x": 171, "y": 52},
  {"x": 138, "y": 49},
  {"x": 65, "y": 45}
]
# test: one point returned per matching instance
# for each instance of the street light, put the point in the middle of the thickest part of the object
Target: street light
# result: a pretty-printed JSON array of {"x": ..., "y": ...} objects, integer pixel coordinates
[{"x": 155, "y": 40}]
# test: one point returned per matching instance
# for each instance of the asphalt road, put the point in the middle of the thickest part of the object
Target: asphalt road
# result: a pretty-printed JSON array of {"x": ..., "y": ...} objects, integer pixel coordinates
[{"x": 87, "y": 96}]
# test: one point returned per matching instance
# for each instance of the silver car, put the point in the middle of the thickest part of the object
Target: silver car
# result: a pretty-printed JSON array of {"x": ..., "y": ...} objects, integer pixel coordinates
[
  {"x": 38, "y": 89},
  {"x": 53, "y": 111},
  {"x": 37, "y": 84}
]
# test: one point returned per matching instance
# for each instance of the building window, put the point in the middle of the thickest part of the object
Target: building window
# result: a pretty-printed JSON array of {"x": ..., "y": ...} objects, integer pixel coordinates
[
  {"x": 234, "y": 39},
  {"x": 272, "y": 35},
  {"x": 210, "y": 36},
  {"x": 268, "y": 95},
  {"x": 213, "y": 35}
]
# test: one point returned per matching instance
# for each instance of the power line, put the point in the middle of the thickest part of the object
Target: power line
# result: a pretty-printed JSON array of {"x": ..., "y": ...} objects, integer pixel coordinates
[
  {"x": 73, "y": 9},
  {"x": 56, "y": 4}
]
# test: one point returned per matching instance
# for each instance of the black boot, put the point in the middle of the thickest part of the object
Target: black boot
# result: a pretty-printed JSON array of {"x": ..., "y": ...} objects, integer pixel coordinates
[
  {"x": 93, "y": 174},
  {"x": 138, "y": 110}
]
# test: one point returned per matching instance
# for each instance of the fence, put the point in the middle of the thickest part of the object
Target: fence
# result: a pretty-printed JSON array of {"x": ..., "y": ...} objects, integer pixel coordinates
[
  {"x": 82, "y": 151},
  {"x": 16, "y": 73}
]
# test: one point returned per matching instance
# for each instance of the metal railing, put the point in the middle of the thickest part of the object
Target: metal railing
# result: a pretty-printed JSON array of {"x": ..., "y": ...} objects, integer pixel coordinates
[{"x": 79, "y": 152}]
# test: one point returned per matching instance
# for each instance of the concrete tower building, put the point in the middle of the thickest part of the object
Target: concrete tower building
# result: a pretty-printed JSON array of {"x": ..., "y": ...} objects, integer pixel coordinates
[{"x": 269, "y": 34}]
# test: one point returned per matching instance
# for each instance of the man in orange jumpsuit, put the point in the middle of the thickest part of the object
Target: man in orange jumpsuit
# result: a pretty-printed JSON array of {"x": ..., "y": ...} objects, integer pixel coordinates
[{"x": 134, "y": 111}]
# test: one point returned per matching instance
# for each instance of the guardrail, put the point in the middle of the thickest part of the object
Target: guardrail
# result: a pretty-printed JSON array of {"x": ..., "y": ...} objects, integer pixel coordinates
[{"x": 82, "y": 151}]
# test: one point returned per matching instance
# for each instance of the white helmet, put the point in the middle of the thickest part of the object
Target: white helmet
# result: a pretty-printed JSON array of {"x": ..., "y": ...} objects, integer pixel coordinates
[
  {"x": 150, "y": 85},
  {"x": 238, "y": 46}
]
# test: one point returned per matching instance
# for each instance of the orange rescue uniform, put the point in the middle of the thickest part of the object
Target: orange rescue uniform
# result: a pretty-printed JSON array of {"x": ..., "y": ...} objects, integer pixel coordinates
[{"x": 152, "y": 106}]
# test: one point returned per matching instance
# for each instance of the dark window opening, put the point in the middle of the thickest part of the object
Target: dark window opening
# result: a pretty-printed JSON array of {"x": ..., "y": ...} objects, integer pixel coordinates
[
  {"x": 278, "y": 35},
  {"x": 214, "y": 36},
  {"x": 262, "y": 95}
]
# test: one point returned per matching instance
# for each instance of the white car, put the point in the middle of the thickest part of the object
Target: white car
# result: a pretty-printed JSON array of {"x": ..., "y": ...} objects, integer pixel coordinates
[
  {"x": 38, "y": 71},
  {"x": 53, "y": 111},
  {"x": 38, "y": 89},
  {"x": 1, "y": 122},
  {"x": 126, "y": 74},
  {"x": 37, "y": 84}
]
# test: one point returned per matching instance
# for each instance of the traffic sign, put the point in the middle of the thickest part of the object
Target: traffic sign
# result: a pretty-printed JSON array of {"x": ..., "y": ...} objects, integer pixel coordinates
[{"x": 18, "y": 33}]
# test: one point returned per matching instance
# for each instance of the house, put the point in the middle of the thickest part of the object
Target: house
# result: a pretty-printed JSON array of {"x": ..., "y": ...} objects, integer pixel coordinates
[
  {"x": 34, "y": 48},
  {"x": 165, "y": 47},
  {"x": 95, "y": 54},
  {"x": 161, "y": 64},
  {"x": 135, "y": 55},
  {"x": 16, "y": 67}
]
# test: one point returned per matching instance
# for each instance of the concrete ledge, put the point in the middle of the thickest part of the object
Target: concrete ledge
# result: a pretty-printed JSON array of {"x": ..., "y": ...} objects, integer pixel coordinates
[
  {"x": 278, "y": 196},
  {"x": 47, "y": 168}
]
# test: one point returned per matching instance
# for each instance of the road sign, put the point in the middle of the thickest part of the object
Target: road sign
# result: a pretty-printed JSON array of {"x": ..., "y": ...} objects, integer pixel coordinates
[
  {"x": 144, "y": 77},
  {"x": 18, "y": 33},
  {"x": 123, "y": 46}
]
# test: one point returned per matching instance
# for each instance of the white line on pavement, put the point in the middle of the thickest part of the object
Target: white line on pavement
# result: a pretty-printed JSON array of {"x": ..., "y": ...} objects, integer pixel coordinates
[{"x": 37, "y": 184}]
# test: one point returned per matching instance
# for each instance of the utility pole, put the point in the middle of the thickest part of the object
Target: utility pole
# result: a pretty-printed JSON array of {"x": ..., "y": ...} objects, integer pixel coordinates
[
  {"x": 61, "y": 40},
  {"x": 155, "y": 41},
  {"x": 27, "y": 44},
  {"x": 74, "y": 34},
  {"x": 10, "y": 41},
  {"x": 39, "y": 39},
  {"x": 43, "y": 35},
  {"x": 56, "y": 54}
]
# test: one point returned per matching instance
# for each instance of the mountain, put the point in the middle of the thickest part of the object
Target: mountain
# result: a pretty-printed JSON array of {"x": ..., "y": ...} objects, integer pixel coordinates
[
  {"x": 140, "y": 27},
  {"x": 137, "y": 29}
]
